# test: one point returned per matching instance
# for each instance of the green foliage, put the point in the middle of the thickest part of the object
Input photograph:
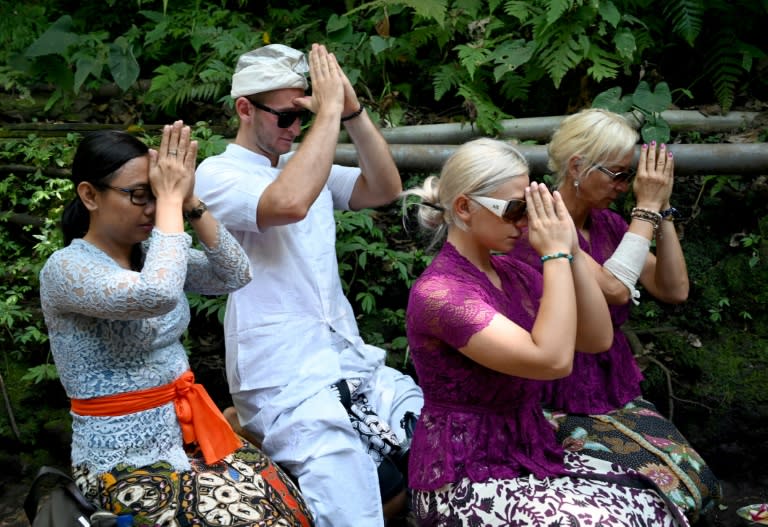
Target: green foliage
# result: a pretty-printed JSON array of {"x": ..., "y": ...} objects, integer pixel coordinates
[
  {"x": 215, "y": 36},
  {"x": 732, "y": 372},
  {"x": 30, "y": 203},
  {"x": 376, "y": 274},
  {"x": 729, "y": 59},
  {"x": 686, "y": 17},
  {"x": 649, "y": 103},
  {"x": 484, "y": 59},
  {"x": 478, "y": 61},
  {"x": 208, "y": 306},
  {"x": 60, "y": 47}
]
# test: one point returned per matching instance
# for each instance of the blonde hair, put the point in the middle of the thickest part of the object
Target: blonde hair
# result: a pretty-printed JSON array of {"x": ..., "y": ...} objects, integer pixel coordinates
[
  {"x": 478, "y": 168},
  {"x": 597, "y": 135}
]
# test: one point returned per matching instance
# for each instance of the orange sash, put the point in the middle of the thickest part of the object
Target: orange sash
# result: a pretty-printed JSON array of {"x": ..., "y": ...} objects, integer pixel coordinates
[{"x": 200, "y": 419}]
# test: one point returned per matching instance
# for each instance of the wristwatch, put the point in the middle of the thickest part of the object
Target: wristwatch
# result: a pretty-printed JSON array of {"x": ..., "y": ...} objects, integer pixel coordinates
[
  {"x": 669, "y": 214},
  {"x": 196, "y": 212}
]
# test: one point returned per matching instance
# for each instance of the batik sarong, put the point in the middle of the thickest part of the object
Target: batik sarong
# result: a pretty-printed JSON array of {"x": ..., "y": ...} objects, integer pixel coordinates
[
  {"x": 638, "y": 437},
  {"x": 243, "y": 489}
]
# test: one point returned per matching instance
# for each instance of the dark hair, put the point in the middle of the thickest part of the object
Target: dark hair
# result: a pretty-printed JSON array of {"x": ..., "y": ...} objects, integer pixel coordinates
[{"x": 99, "y": 155}]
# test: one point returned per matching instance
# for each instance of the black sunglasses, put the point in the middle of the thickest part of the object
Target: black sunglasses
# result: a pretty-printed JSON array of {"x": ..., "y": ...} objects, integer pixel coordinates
[
  {"x": 617, "y": 177},
  {"x": 284, "y": 119},
  {"x": 511, "y": 211}
]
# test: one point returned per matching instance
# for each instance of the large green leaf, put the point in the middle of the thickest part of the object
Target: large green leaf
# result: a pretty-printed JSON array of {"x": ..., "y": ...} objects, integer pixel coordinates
[
  {"x": 336, "y": 22},
  {"x": 656, "y": 100},
  {"x": 625, "y": 43},
  {"x": 510, "y": 55},
  {"x": 609, "y": 12},
  {"x": 122, "y": 63},
  {"x": 85, "y": 66},
  {"x": 655, "y": 130},
  {"x": 380, "y": 44},
  {"x": 612, "y": 100},
  {"x": 55, "y": 40}
]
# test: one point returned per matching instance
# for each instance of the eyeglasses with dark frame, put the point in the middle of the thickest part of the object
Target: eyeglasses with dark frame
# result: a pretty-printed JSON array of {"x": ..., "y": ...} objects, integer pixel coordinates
[
  {"x": 139, "y": 196},
  {"x": 616, "y": 177},
  {"x": 285, "y": 119},
  {"x": 511, "y": 211}
]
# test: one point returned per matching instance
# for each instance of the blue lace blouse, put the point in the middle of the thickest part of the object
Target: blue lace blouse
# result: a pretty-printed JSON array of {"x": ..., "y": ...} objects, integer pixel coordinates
[{"x": 113, "y": 330}]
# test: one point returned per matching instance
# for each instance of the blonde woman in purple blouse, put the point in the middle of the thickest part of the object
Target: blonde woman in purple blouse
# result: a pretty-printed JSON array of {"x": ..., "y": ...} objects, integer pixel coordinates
[
  {"x": 599, "y": 409},
  {"x": 484, "y": 331}
]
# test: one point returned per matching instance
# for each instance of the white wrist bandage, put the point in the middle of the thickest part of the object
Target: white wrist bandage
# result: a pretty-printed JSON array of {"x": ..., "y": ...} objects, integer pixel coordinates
[{"x": 627, "y": 261}]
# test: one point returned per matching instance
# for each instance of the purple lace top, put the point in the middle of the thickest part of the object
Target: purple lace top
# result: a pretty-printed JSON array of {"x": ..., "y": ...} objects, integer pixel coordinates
[
  {"x": 599, "y": 382},
  {"x": 476, "y": 422}
]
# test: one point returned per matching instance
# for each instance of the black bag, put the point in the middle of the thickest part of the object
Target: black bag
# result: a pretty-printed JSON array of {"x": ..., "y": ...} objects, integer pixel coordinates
[{"x": 65, "y": 505}]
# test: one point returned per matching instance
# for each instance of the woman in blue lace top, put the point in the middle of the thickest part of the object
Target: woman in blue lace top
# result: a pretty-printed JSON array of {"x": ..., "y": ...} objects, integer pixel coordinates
[{"x": 147, "y": 440}]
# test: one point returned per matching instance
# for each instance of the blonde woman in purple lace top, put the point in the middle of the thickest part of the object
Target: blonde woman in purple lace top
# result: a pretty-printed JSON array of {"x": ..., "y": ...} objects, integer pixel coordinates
[
  {"x": 599, "y": 409},
  {"x": 484, "y": 331}
]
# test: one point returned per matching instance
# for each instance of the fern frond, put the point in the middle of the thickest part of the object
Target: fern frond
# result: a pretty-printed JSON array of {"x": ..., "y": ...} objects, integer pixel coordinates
[
  {"x": 420, "y": 36},
  {"x": 515, "y": 87},
  {"x": 178, "y": 98},
  {"x": 488, "y": 115},
  {"x": 562, "y": 53},
  {"x": 557, "y": 8},
  {"x": 429, "y": 9},
  {"x": 445, "y": 78},
  {"x": 724, "y": 68},
  {"x": 686, "y": 17},
  {"x": 216, "y": 71},
  {"x": 609, "y": 13},
  {"x": 521, "y": 10},
  {"x": 469, "y": 8},
  {"x": 206, "y": 91},
  {"x": 234, "y": 41},
  {"x": 472, "y": 57},
  {"x": 604, "y": 64}
]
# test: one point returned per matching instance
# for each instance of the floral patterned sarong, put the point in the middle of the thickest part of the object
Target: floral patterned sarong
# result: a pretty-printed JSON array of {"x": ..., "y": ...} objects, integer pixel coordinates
[
  {"x": 638, "y": 437},
  {"x": 587, "y": 498}
]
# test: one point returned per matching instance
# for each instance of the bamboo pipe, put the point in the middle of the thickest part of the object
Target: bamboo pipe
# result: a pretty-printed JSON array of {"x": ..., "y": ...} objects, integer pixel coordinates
[
  {"x": 541, "y": 128},
  {"x": 714, "y": 159}
]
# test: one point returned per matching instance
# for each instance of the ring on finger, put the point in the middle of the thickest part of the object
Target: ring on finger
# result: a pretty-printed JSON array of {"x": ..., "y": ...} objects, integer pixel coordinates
[{"x": 172, "y": 152}]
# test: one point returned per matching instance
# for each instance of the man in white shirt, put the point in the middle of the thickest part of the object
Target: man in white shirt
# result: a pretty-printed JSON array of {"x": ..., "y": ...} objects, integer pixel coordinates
[{"x": 292, "y": 342}]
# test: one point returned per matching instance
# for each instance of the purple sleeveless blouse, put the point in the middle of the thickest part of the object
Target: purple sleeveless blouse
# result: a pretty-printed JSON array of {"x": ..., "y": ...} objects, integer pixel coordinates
[
  {"x": 602, "y": 382},
  {"x": 476, "y": 422}
]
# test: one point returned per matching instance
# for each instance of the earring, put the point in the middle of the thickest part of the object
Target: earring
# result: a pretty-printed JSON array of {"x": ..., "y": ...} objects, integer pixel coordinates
[{"x": 576, "y": 184}]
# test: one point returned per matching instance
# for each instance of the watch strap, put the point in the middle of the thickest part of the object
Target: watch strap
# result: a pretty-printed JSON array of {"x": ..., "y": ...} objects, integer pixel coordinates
[{"x": 196, "y": 212}]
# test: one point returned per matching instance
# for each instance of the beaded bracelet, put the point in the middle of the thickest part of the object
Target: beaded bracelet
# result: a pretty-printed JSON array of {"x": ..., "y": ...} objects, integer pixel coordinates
[
  {"x": 651, "y": 216},
  {"x": 353, "y": 114},
  {"x": 556, "y": 255},
  {"x": 653, "y": 222}
]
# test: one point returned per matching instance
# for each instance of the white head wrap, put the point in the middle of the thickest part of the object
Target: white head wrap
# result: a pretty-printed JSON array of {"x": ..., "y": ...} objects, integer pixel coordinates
[{"x": 271, "y": 67}]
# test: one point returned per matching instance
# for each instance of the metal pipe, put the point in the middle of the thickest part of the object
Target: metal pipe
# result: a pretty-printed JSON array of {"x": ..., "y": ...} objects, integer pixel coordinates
[
  {"x": 541, "y": 128},
  {"x": 715, "y": 159}
]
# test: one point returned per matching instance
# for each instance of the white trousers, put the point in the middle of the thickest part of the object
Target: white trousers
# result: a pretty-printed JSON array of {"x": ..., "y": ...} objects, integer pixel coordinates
[{"x": 316, "y": 443}]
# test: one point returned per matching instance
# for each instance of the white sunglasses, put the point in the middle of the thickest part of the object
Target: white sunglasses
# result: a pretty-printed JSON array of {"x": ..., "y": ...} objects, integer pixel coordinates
[{"x": 509, "y": 210}]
